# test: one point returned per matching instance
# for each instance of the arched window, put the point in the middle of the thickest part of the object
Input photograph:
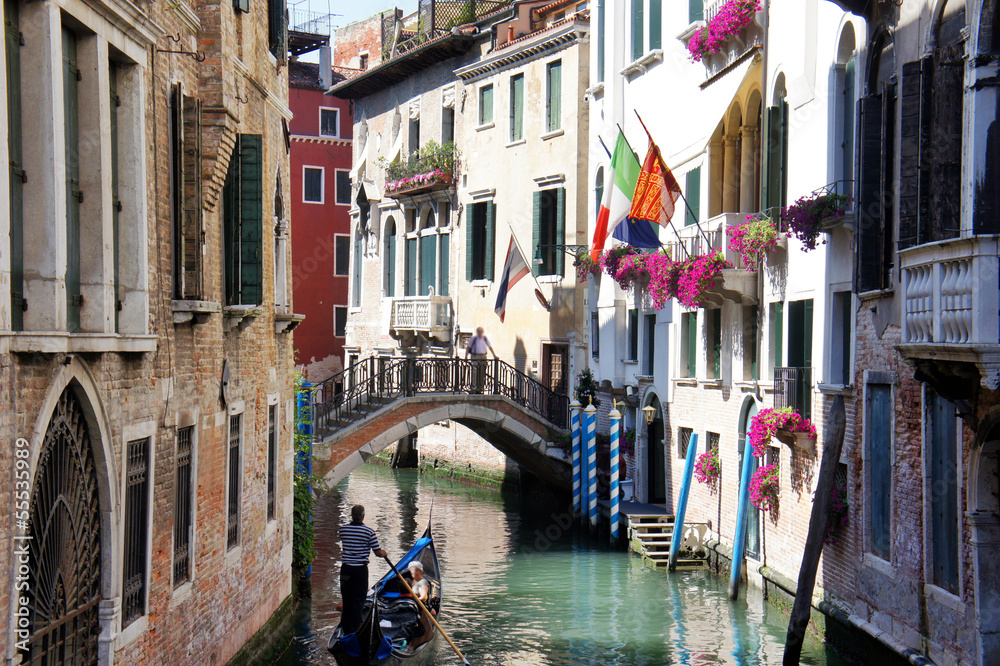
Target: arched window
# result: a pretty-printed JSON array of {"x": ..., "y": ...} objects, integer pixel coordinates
[
  {"x": 844, "y": 100},
  {"x": 389, "y": 258}
]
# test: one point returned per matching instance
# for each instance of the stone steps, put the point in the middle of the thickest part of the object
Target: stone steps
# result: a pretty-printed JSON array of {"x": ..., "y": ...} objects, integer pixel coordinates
[{"x": 650, "y": 535}]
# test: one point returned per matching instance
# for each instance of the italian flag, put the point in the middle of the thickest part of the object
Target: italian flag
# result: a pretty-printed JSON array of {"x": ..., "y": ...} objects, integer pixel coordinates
[{"x": 617, "y": 201}]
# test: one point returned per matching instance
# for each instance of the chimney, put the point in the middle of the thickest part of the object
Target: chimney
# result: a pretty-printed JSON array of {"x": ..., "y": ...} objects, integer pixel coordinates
[
  {"x": 325, "y": 68},
  {"x": 510, "y": 32}
]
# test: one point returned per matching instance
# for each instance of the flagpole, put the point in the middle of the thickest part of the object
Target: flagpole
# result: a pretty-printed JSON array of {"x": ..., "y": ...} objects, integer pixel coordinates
[
  {"x": 531, "y": 266},
  {"x": 687, "y": 204}
]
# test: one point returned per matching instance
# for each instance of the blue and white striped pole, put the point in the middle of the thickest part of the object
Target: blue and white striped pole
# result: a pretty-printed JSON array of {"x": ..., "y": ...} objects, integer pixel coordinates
[
  {"x": 577, "y": 494},
  {"x": 590, "y": 430},
  {"x": 616, "y": 421},
  {"x": 682, "y": 502}
]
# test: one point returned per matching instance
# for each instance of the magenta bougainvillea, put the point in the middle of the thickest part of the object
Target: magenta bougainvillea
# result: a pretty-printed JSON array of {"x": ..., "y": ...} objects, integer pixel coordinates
[
  {"x": 837, "y": 520},
  {"x": 805, "y": 217},
  {"x": 730, "y": 19},
  {"x": 752, "y": 240},
  {"x": 764, "y": 487},
  {"x": 435, "y": 176},
  {"x": 769, "y": 421},
  {"x": 708, "y": 468}
]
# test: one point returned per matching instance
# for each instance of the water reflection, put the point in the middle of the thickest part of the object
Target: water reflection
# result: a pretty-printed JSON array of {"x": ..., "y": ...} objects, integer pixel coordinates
[{"x": 521, "y": 586}]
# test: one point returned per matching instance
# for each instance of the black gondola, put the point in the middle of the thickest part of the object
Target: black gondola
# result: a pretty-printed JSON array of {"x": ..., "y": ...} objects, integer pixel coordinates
[{"x": 392, "y": 618}]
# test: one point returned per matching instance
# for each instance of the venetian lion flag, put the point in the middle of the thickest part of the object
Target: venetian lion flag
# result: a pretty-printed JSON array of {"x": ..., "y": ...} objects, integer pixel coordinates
[
  {"x": 656, "y": 190},
  {"x": 514, "y": 269},
  {"x": 624, "y": 173}
]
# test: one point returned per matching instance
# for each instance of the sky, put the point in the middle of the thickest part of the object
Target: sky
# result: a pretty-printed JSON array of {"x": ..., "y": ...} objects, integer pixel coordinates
[{"x": 351, "y": 10}]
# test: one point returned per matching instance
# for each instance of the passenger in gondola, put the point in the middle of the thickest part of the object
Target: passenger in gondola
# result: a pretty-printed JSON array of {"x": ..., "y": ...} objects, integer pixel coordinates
[
  {"x": 358, "y": 541},
  {"x": 422, "y": 590}
]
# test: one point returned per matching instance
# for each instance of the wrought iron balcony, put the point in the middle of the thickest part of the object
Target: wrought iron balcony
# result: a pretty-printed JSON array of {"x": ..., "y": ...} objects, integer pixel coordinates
[
  {"x": 435, "y": 18},
  {"x": 793, "y": 388},
  {"x": 427, "y": 172},
  {"x": 736, "y": 284},
  {"x": 430, "y": 315}
]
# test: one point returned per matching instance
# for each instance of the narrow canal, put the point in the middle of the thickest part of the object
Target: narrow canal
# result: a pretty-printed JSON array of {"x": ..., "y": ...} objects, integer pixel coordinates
[{"x": 522, "y": 588}]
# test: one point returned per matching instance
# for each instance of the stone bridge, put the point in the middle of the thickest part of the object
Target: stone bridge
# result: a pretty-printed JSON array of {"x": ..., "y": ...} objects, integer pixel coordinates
[{"x": 378, "y": 401}]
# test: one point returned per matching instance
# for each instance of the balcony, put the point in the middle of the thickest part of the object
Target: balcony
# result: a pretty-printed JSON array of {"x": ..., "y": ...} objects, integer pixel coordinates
[
  {"x": 737, "y": 284},
  {"x": 433, "y": 169},
  {"x": 427, "y": 315},
  {"x": 733, "y": 49},
  {"x": 950, "y": 305},
  {"x": 793, "y": 388}
]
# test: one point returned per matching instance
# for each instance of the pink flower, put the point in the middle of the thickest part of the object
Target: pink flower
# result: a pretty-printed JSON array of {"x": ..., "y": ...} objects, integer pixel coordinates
[
  {"x": 764, "y": 487},
  {"x": 769, "y": 421},
  {"x": 731, "y": 18}
]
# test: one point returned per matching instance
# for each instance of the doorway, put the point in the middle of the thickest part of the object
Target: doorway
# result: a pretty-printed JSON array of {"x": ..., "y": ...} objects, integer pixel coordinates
[
  {"x": 657, "y": 490},
  {"x": 747, "y": 413},
  {"x": 555, "y": 367}
]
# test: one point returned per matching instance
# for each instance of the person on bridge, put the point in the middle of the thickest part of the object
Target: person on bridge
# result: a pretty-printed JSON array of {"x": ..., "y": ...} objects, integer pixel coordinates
[
  {"x": 358, "y": 541},
  {"x": 477, "y": 346}
]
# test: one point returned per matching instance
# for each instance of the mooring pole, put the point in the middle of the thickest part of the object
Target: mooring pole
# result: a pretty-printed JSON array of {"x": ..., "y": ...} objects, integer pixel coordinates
[
  {"x": 682, "y": 502},
  {"x": 575, "y": 429},
  {"x": 590, "y": 430},
  {"x": 741, "y": 521},
  {"x": 616, "y": 422}
]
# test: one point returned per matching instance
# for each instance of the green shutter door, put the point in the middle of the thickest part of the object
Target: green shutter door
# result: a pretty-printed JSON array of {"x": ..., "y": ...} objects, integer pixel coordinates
[
  {"x": 517, "y": 108},
  {"x": 717, "y": 343},
  {"x": 231, "y": 228},
  {"x": 191, "y": 230},
  {"x": 536, "y": 232},
  {"x": 774, "y": 119},
  {"x": 13, "y": 48},
  {"x": 848, "y": 129},
  {"x": 410, "y": 283},
  {"x": 805, "y": 398},
  {"x": 560, "y": 256},
  {"x": 71, "y": 111},
  {"x": 655, "y": 24},
  {"x": 692, "y": 193},
  {"x": 491, "y": 239},
  {"x": 638, "y": 48},
  {"x": 277, "y": 29},
  {"x": 470, "y": 240},
  {"x": 778, "y": 334},
  {"x": 116, "y": 203},
  {"x": 692, "y": 334},
  {"x": 251, "y": 219},
  {"x": 428, "y": 263},
  {"x": 444, "y": 264},
  {"x": 878, "y": 423},
  {"x": 555, "y": 97},
  {"x": 390, "y": 268},
  {"x": 869, "y": 206}
]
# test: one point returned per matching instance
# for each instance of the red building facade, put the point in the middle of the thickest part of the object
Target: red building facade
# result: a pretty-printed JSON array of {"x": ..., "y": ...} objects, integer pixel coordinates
[{"x": 321, "y": 197}]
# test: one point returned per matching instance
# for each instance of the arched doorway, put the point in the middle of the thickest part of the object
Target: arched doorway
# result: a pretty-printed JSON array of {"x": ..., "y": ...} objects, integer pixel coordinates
[
  {"x": 656, "y": 491},
  {"x": 747, "y": 412},
  {"x": 984, "y": 518},
  {"x": 65, "y": 541}
]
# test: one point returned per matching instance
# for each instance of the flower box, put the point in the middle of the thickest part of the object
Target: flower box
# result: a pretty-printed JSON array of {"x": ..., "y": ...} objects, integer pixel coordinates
[
  {"x": 830, "y": 224},
  {"x": 803, "y": 440},
  {"x": 427, "y": 182},
  {"x": 736, "y": 285}
]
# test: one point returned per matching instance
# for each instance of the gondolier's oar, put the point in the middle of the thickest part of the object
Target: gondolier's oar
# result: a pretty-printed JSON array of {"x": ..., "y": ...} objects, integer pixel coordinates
[{"x": 427, "y": 612}]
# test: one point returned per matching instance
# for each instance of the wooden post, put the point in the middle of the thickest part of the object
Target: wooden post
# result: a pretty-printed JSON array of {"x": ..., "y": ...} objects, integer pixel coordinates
[{"x": 832, "y": 446}]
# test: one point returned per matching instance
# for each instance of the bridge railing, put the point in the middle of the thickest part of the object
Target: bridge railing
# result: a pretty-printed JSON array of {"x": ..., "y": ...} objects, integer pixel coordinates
[{"x": 373, "y": 382}]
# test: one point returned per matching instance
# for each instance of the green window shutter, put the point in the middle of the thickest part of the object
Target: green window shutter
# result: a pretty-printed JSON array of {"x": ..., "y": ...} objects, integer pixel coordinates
[
  {"x": 71, "y": 110},
  {"x": 560, "y": 256},
  {"x": 470, "y": 241},
  {"x": 251, "y": 237},
  {"x": 12, "y": 43},
  {"x": 696, "y": 10},
  {"x": 692, "y": 333},
  {"x": 444, "y": 264},
  {"x": 848, "y": 127},
  {"x": 517, "y": 107},
  {"x": 774, "y": 155},
  {"x": 192, "y": 203},
  {"x": 231, "y": 229},
  {"x": 717, "y": 343},
  {"x": 633, "y": 335},
  {"x": 944, "y": 473},
  {"x": 638, "y": 46},
  {"x": 536, "y": 233},
  {"x": 486, "y": 105},
  {"x": 410, "y": 285},
  {"x": 878, "y": 423},
  {"x": 390, "y": 259},
  {"x": 428, "y": 264},
  {"x": 491, "y": 240},
  {"x": 869, "y": 205},
  {"x": 692, "y": 193},
  {"x": 241, "y": 5},
  {"x": 115, "y": 200},
  {"x": 779, "y": 334},
  {"x": 555, "y": 96},
  {"x": 913, "y": 120},
  {"x": 277, "y": 29},
  {"x": 655, "y": 24},
  {"x": 356, "y": 277}
]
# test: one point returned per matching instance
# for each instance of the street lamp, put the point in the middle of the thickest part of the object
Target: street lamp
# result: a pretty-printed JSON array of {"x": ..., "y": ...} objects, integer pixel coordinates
[{"x": 650, "y": 413}]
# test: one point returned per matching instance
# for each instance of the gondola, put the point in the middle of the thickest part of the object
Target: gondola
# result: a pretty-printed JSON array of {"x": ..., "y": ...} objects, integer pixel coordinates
[{"x": 392, "y": 618}]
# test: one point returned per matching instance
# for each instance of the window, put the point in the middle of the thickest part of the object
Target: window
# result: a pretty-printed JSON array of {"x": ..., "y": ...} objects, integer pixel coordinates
[
  {"x": 234, "y": 494},
  {"x": 136, "y": 530},
  {"x": 750, "y": 314},
  {"x": 116, "y": 203},
  {"x": 840, "y": 343},
  {"x": 185, "y": 156},
  {"x": 516, "y": 107},
  {"x": 444, "y": 266},
  {"x": 553, "y": 99},
  {"x": 638, "y": 44},
  {"x": 683, "y": 441},
  {"x": 74, "y": 195},
  {"x": 549, "y": 231},
  {"x": 271, "y": 457},
  {"x": 241, "y": 5},
  {"x": 329, "y": 122},
  {"x": 595, "y": 335},
  {"x": 777, "y": 335},
  {"x": 414, "y": 137},
  {"x": 799, "y": 378},
  {"x": 878, "y": 450},
  {"x": 356, "y": 280},
  {"x": 410, "y": 278},
  {"x": 363, "y": 61},
  {"x": 696, "y": 10},
  {"x": 943, "y": 490},
  {"x": 601, "y": 21},
  {"x": 655, "y": 25},
  {"x": 312, "y": 184},
  {"x": 692, "y": 194},
  {"x": 15, "y": 154},
  {"x": 689, "y": 344},
  {"x": 650, "y": 339},
  {"x": 712, "y": 441},
  {"x": 447, "y": 124},
  {"x": 633, "y": 335},
  {"x": 342, "y": 254},
  {"x": 713, "y": 340},
  {"x": 775, "y": 156},
  {"x": 480, "y": 241},
  {"x": 277, "y": 29},
  {"x": 183, "y": 505},
  {"x": 242, "y": 215},
  {"x": 598, "y": 191},
  {"x": 390, "y": 258},
  {"x": 343, "y": 187},
  {"x": 486, "y": 105}
]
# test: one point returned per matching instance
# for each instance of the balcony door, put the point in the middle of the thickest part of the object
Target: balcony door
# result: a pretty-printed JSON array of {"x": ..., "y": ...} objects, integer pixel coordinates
[
  {"x": 800, "y": 332},
  {"x": 657, "y": 490},
  {"x": 555, "y": 368}
]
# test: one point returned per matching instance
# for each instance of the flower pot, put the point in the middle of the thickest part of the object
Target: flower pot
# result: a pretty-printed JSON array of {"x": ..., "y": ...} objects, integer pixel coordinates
[{"x": 805, "y": 442}]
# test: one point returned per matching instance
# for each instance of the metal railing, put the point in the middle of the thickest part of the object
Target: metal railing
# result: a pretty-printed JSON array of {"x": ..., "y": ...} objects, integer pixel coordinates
[
  {"x": 435, "y": 18},
  {"x": 374, "y": 382},
  {"x": 793, "y": 388},
  {"x": 431, "y": 165}
]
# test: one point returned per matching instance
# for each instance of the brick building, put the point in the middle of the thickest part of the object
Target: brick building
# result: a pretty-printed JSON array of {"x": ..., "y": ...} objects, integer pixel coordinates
[
  {"x": 145, "y": 356},
  {"x": 321, "y": 196}
]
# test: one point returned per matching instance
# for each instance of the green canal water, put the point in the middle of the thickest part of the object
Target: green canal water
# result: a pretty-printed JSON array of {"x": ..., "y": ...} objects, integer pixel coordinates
[{"x": 522, "y": 586}]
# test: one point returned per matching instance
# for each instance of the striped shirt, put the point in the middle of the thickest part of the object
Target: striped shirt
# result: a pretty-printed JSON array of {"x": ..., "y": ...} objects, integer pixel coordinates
[{"x": 357, "y": 542}]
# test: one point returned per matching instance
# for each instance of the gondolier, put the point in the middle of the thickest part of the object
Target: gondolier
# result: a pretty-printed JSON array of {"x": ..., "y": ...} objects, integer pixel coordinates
[{"x": 358, "y": 541}]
